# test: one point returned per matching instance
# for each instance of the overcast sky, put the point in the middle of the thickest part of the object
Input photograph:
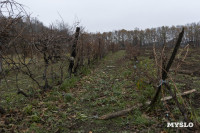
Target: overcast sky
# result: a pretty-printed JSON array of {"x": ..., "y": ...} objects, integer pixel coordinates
[{"x": 109, "y": 15}]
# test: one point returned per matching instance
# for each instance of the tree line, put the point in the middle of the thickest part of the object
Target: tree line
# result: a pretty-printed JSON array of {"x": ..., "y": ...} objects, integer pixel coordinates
[{"x": 156, "y": 36}]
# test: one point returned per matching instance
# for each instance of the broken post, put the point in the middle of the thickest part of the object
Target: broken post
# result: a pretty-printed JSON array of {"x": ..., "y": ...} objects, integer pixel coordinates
[
  {"x": 73, "y": 53},
  {"x": 166, "y": 70}
]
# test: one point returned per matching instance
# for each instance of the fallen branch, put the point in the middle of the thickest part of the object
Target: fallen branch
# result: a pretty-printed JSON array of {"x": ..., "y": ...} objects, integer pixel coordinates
[
  {"x": 128, "y": 110},
  {"x": 118, "y": 113},
  {"x": 195, "y": 73},
  {"x": 111, "y": 66},
  {"x": 182, "y": 94},
  {"x": 23, "y": 93}
]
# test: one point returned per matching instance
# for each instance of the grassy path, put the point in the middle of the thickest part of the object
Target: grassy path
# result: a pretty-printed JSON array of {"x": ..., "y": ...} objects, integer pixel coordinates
[{"x": 107, "y": 89}]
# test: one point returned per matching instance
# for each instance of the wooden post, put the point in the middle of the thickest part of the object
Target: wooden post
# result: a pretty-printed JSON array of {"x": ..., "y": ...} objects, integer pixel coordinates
[
  {"x": 166, "y": 70},
  {"x": 73, "y": 53}
]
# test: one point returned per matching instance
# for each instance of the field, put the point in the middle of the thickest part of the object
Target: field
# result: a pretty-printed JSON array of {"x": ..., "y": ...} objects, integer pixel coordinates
[
  {"x": 111, "y": 85},
  {"x": 61, "y": 78}
]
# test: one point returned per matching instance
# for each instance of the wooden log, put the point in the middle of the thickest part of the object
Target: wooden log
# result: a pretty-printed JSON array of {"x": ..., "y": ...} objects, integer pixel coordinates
[
  {"x": 182, "y": 94},
  {"x": 128, "y": 110},
  {"x": 119, "y": 113},
  {"x": 195, "y": 73}
]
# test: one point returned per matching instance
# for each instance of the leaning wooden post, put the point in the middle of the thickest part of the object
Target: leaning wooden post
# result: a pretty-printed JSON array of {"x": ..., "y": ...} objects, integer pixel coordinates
[
  {"x": 166, "y": 70},
  {"x": 73, "y": 53}
]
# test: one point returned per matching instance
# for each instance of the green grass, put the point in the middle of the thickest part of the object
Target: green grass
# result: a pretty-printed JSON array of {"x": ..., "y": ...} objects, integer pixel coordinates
[
  {"x": 69, "y": 83},
  {"x": 75, "y": 105}
]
